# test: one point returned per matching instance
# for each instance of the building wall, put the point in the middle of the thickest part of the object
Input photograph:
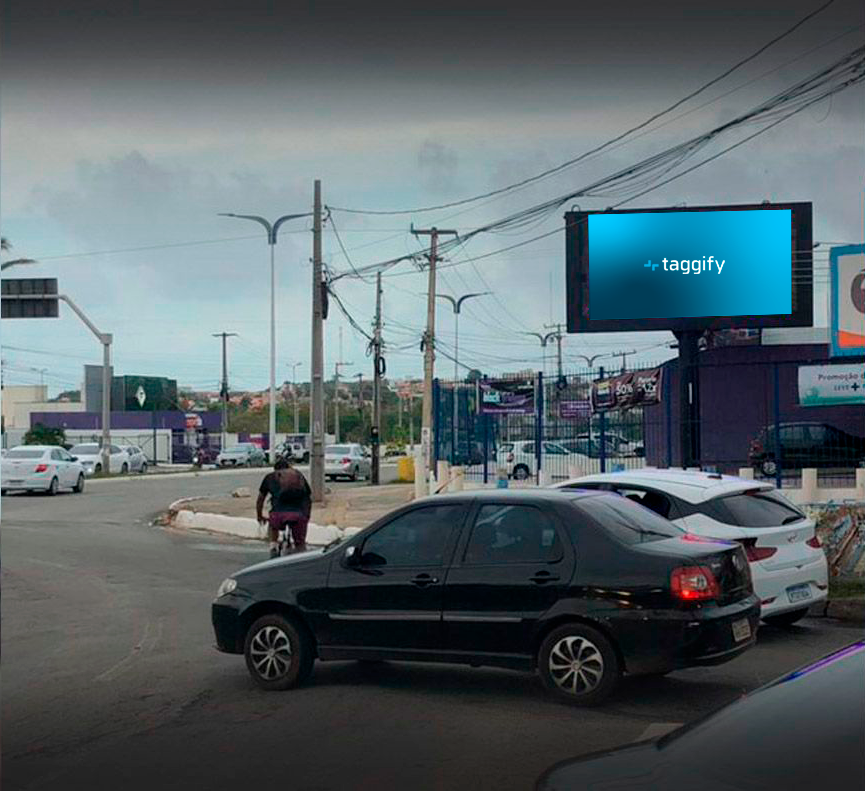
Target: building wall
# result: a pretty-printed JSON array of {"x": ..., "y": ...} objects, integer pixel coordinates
[{"x": 15, "y": 398}]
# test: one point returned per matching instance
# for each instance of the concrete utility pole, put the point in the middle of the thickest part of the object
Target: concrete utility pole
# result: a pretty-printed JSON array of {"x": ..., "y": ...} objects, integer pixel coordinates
[
  {"x": 558, "y": 335},
  {"x": 429, "y": 341},
  {"x": 293, "y": 367},
  {"x": 224, "y": 428},
  {"x": 316, "y": 400},
  {"x": 336, "y": 367},
  {"x": 624, "y": 356},
  {"x": 272, "y": 230},
  {"x": 456, "y": 304},
  {"x": 378, "y": 371},
  {"x": 360, "y": 400}
]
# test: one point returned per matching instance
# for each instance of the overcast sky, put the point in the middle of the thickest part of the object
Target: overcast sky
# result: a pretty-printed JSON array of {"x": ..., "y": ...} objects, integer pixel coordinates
[{"x": 132, "y": 124}]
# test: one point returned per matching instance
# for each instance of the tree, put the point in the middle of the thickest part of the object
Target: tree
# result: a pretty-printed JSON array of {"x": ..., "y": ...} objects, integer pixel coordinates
[
  {"x": 6, "y": 246},
  {"x": 45, "y": 435}
]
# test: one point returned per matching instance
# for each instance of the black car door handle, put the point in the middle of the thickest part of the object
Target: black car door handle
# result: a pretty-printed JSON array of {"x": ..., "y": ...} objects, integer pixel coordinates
[
  {"x": 543, "y": 576},
  {"x": 422, "y": 580}
]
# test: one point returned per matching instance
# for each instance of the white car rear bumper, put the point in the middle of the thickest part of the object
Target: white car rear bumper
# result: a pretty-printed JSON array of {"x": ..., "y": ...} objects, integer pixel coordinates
[
  {"x": 29, "y": 483},
  {"x": 774, "y": 587}
]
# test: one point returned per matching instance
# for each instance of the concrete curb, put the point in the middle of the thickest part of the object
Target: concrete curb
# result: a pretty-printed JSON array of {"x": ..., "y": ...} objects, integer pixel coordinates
[
  {"x": 245, "y": 527},
  {"x": 850, "y": 609}
]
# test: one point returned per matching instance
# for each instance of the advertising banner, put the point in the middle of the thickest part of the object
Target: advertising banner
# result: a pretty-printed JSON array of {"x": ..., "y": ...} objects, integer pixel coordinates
[
  {"x": 503, "y": 397},
  {"x": 847, "y": 267},
  {"x": 630, "y": 389},
  {"x": 830, "y": 385},
  {"x": 575, "y": 409}
]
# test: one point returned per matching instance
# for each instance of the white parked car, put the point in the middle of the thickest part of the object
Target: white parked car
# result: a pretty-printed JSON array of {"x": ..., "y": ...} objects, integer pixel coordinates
[
  {"x": 788, "y": 565},
  {"x": 520, "y": 460},
  {"x": 349, "y": 461},
  {"x": 40, "y": 468},
  {"x": 244, "y": 454},
  {"x": 90, "y": 456},
  {"x": 137, "y": 458}
]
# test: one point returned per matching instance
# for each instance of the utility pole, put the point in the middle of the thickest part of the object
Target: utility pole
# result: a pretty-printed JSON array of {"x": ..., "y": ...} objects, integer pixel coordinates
[
  {"x": 293, "y": 367},
  {"x": 378, "y": 370},
  {"x": 336, "y": 367},
  {"x": 224, "y": 390},
  {"x": 316, "y": 400},
  {"x": 360, "y": 401},
  {"x": 624, "y": 356},
  {"x": 558, "y": 335},
  {"x": 429, "y": 341}
]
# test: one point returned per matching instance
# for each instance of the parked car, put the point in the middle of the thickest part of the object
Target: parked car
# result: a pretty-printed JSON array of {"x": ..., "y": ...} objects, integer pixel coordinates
[
  {"x": 617, "y": 444},
  {"x": 347, "y": 461},
  {"x": 787, "y": 562},
  {"x": 579, "y": 586},
  {"x": 806, "y": 445},
  {"x": 90, "y": 456},
  {"x": 295, "y": 451},
  {"x": 137, "y": 459},
  {"x": 520, "y": 460},
  {"x": 204, "y": 455},
  {"x": 40, "y": 468},
  {"x": 614, "y": 454},
  {"x": 244, "y": 454},
  {"x": 809, "y": 725}
]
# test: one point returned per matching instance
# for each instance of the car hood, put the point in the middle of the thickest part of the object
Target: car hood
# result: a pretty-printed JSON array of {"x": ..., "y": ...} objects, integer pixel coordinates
[{"x": 276, "y": 563}]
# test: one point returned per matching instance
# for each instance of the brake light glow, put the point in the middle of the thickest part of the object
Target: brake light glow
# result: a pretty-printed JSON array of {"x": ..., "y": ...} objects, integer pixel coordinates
[
  {"x": 41, "y": 468},
  {"x": 814, "y": 542},
  {"x": 694, "y": 583},
  {"x": 346, "y": 460}
]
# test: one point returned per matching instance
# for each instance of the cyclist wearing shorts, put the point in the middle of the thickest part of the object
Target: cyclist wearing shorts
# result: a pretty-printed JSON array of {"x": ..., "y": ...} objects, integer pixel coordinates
[{"x": 290, "y": 505}]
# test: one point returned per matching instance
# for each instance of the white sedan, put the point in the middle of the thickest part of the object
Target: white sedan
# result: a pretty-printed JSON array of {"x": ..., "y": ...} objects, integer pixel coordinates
[
  {"x": 40, "y": 468},
  {"x": 788, "y": 565},
  {"x": 90, "y": 456},
  {"x": 520, "y": 461},
  {"x": 349, "y": 461}
]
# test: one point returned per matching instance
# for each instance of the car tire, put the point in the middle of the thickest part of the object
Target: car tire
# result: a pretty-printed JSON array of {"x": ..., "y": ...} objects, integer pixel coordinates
[
  {"x": 306, "y": 458},
  {"x": 785, "y": 619},
  {"x": 97, "y": 470},
  {"x": 521, "y": 473},
  {"x": 52, "y": 487},
  {"x": 4, "y": 492},
  {"x": 79, "y": 486},
  {"x": 279, "y": 654},
  {"x": 124, "y": 469},
  {"x": 143, "y": 470},
  {"x": 355, "y": 474},
  {"x": 585, "y": 684}
]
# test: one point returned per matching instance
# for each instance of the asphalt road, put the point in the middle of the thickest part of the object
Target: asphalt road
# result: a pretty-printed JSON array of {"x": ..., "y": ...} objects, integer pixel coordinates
[{"x": 110, "y": 679}]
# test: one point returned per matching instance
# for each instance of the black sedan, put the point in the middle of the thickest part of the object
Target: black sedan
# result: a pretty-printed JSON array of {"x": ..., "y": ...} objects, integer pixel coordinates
[
  {"x": 581, "y": 587},
  {"x": 805, "y": 730}
]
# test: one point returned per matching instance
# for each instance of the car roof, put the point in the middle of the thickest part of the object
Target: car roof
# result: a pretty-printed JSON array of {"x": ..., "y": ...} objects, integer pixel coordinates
[
  {"x": 693, "y": 486},
  {"x": 35, "y": 447},
  {"x": 530, "y": 495}
]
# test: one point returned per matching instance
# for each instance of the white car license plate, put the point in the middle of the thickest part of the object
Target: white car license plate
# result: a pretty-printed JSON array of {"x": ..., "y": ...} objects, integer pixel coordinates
[
  {"x": 14, "y": 482},
  {"x": 799, "y": 592},
  {"x": 741, "y": 630}
]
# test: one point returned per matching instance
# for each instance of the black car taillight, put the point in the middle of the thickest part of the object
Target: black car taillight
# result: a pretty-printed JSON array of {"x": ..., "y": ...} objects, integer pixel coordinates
[{"x": 694, "y": 583}]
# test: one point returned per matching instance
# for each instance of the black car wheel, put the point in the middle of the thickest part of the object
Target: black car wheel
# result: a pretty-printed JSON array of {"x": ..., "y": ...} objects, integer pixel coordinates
[
  {"x": 279, "y": 655},
  {"x": 79, "y": 486},
  {"x": 521, "y": 472},
  {"x": 53, "y": 487},
  {"x": 143, "y": 469},
  {"x": 786, "y": 618},
  {"x": 578, "y": 664},
  {"x": 124, "y": 469}
]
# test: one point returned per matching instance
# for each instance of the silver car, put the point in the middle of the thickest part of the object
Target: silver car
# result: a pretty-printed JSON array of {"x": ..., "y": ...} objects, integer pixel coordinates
[
  {"x": 41, "y": 468},
  {"x": 348, "y": 461},
  {"x": 244, "y": 454},
  {"x": 137, "y": 459}
]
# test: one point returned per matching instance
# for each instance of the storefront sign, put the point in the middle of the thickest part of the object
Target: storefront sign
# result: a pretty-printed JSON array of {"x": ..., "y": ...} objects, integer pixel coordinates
[
  {"x": 847, "y": 268},
  {"x": 829, "y": 385},
  {"x": 569, "y": 410},
  {"x": 504, "y": 397},
  {"x": 630, "y": 389}
]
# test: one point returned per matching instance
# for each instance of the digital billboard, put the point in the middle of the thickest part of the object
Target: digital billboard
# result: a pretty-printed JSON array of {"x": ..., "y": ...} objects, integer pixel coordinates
[{"x": 707, "y": 267}]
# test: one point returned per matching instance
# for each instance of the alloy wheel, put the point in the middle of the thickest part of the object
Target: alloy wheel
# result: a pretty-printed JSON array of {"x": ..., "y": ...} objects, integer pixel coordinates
[
  {"x": 576, "y": 665},
  {"x": 270, "y": 651}
]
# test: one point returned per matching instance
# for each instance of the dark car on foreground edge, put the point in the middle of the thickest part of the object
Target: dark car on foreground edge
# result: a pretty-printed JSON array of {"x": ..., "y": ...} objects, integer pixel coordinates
[
  {"x": 805, "y": 730},
  {"x": 578, "y": 586}
]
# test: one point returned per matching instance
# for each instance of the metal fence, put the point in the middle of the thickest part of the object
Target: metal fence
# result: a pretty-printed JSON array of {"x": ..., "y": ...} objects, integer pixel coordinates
[{"x": 751, "y": 417}]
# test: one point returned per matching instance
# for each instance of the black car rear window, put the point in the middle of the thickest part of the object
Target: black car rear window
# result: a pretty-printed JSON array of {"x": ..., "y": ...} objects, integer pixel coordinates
[
  {"x": 756, "y": 508},
  {"x": 627, "y": 521}
]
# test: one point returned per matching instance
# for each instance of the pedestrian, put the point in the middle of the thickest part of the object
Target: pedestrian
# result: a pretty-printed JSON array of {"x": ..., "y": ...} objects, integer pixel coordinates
[{"x": 290, "y": 505}]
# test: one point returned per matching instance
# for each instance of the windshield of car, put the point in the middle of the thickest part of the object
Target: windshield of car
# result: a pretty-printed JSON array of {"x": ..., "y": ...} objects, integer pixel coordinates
[
  {"x": 627, "y": 521},
  {"x": 754, "y": 508},
  {"x": 338, "y": 450},
  {"x": 22, "y": 453},
  {"x": 84, "y": 450}
]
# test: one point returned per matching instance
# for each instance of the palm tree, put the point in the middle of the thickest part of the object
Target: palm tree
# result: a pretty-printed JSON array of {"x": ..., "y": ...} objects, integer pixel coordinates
[{"x": 6, "y": 246}]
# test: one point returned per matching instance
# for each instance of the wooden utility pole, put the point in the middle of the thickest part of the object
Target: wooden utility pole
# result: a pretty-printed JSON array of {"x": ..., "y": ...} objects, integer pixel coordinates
[
  {"x": 378, "y": 370},
  {"x": 429, "y": 342},
  {"x": 316, "y": 459}
]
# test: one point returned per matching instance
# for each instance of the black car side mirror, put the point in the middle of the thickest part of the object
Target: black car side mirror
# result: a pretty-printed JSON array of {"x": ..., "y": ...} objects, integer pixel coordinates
[
  {"x": 351, "y": 557},
  {"x": 74, "y": 458}
]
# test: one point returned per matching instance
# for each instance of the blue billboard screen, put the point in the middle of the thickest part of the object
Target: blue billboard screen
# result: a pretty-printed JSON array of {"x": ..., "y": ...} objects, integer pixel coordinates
[{"x": 672, "y": 264}]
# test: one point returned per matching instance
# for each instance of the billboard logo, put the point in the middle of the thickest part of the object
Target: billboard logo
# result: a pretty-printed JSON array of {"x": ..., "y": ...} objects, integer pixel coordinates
[
  {"x": 654, "y": 266},
  {"x": 694, "y": 266}
]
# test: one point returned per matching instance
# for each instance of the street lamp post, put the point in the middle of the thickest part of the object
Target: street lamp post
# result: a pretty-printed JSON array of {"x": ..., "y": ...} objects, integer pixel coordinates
[
  {"x": 293, "y": 367},
  {"x": 272, "y": 230},
  {"x": 456, "y": 304}
]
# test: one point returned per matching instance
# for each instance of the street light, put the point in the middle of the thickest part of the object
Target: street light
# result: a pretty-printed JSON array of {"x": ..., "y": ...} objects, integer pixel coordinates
[
  {"x": 293, "y": 367},
  {"x": 456, "y": 304},
  {"x": 272, "y": 230}
]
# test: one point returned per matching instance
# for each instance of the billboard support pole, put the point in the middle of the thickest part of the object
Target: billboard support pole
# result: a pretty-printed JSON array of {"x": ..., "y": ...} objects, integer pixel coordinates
[
  {"x": 602, "y": 442},
  {"x": 689, "y": 397}
]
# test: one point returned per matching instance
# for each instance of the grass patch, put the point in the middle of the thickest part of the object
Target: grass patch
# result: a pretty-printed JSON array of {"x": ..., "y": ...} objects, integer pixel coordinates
[{"x": 846, "y": 589}]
